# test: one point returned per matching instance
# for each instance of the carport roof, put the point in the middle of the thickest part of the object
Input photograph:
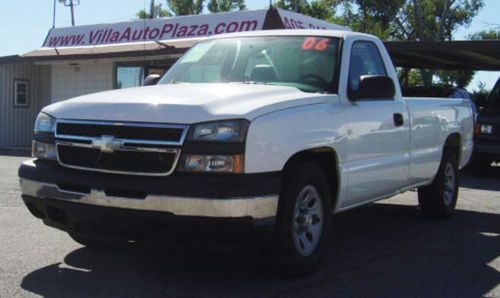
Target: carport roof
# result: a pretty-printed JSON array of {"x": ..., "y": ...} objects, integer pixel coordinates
[{"x": 464, "y": 54}]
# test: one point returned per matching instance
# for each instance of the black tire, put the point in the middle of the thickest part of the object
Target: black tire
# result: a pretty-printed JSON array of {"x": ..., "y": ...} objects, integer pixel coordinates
[
  {"x": 95, "y": 242},
  {"x": 291, "y": 259},
  {"x": 439, "y": 199}
]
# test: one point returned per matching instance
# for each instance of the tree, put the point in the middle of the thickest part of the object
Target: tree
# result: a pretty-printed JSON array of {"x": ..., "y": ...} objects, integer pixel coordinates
[
  {"x": 225, "y": 5},
  {"x": 155, "y": 11},
  {"x": 487, "y": 34},
  {"x": 320, "y": 9},
  {"x": 421, "y": 20},
  {"x": 185, "y": 7},
  {"x": 457, "y": 78},
  {"x": 480, "y": 96},
  {"x": 175, "y": 8}
]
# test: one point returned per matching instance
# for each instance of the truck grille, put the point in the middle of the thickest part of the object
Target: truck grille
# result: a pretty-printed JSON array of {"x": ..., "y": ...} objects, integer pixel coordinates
[
  {"x": 120, "y": 131},
  {"x": 118, "y": 161},
  {"x": 121, "y": 148}
]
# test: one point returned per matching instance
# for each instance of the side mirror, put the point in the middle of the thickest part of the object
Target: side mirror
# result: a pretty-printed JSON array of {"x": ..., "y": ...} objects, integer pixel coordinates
[
  {"x": 152, "y": 79},
  {"x": 374, "y": 87}
]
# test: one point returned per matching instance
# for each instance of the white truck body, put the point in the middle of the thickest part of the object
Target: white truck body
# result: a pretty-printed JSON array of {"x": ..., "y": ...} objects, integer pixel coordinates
[
  {"x": 276, "y": 153},
  {"x": 375, "y": 160}
]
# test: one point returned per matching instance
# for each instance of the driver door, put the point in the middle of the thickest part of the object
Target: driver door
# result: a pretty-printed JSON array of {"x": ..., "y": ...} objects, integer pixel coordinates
[{"x": 378, "y": 145}]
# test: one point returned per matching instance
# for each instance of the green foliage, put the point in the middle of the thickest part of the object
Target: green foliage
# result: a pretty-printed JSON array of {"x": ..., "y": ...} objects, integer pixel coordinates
[
  {"x": 158, "y": 12},
  {"x": 185, "y": 7},
  {"x": 320, "y": 9},
  {"x": 409, "y": 77},
  {"x": 487, "y": 34},
  {"x": 423, "y": 20},
  {"x": 480, "y": 96},
  {"x": 457, "y": 78},
  {"x": 225, "y": 5},
  {"x": 175, "y": 8}
]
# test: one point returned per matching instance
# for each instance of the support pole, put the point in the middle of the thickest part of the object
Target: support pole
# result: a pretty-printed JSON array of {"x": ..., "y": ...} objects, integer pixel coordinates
[
  {"x": 54, "y": 15},
  {"x": 71, "y": 5},
  {"x": 152, "y": 10}
]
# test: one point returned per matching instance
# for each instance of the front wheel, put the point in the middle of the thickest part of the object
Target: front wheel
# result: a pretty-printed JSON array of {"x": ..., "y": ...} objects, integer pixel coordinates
[
  {"x": 303, "y": 221},
  {"x": 439, "y": 199}
]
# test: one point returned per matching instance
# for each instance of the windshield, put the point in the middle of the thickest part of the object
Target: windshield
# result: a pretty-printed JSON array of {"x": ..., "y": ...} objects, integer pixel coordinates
[{"x": 307, "y": 63}]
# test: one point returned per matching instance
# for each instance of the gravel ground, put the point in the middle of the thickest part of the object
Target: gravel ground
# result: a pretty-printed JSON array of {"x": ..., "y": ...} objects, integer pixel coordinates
[{"x": 381, "y": 250}]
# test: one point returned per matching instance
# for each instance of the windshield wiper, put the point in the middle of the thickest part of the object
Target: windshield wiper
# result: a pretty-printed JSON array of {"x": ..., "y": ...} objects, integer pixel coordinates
[{"x": 250, "y": 82}]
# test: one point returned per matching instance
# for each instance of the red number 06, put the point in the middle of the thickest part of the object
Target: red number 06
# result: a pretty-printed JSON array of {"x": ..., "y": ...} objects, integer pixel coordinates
[{"x": 311, "y": 43}]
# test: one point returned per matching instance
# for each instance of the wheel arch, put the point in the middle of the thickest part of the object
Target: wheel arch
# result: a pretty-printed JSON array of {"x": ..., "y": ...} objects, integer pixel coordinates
[
  {"x": 327, "y": 158},
  {"x": 453, "y": 142}
]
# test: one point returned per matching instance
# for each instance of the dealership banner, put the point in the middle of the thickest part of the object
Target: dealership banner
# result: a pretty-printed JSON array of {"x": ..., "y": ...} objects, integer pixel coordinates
[
  {"x": 156, "y": 29},
  {"x": 183, "y": 27}
]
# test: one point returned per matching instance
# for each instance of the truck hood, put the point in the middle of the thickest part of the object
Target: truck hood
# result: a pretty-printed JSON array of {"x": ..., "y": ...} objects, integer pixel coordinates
[{"x": 183, "y": 103}]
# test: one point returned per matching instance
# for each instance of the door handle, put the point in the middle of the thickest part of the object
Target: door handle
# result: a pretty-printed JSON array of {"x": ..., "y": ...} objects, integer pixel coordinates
[{"x": 398, "y": 119}]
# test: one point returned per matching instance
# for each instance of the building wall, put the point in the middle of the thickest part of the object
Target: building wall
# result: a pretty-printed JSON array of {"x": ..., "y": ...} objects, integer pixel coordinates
[
  {"x": 16, "y": 123},
  {"x": 77, "y": 79}
]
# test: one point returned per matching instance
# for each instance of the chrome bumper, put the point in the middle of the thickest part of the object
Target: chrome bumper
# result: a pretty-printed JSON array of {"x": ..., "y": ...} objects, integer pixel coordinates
[{"x": 256, "y": 207}]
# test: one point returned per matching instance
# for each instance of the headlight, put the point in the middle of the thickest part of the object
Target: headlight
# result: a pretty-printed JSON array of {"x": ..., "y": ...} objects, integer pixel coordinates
[
  {"x": 43, "y": 150},
  {"x": 486, "y": 129},
  {"x": 45, "y": 123},
  {"x": 221, "y": 131},
  {"x": 213, "y": 163}
]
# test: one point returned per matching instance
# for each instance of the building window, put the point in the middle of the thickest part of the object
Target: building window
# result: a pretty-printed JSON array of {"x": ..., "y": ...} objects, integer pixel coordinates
[
  {"x": 129, "y": 76},
  {"x": 21, "y": 93}
]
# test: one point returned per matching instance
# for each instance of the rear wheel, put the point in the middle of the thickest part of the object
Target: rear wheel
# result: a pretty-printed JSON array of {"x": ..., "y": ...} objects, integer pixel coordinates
[
  {"x": 303, "y": 222},
  {"x": 439, "y": 199}
]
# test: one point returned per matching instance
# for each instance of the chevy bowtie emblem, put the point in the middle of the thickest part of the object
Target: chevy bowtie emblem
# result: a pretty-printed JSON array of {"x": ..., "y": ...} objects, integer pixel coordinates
[{"x": 107, "y": 144}]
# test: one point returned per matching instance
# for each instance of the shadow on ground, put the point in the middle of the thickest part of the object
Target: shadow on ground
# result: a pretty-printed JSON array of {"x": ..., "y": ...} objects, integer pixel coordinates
[
  {"x": 381, "y": 250},
  {"x": 489, "y": 180}
]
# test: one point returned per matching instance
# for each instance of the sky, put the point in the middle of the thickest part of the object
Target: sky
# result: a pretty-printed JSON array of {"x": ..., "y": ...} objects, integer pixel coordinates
[{"x": 24, "y": 24}]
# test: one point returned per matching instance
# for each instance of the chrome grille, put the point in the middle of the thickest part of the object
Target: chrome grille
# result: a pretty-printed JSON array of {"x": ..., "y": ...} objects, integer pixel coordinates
[
  {"x": 167, "y": 134},
  {"x": 145, "y": 163},
  {"x": 119, "y": 147}
]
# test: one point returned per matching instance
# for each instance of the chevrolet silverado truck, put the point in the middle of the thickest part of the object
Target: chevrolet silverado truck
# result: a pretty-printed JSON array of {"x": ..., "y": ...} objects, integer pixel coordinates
[{"x": 271, "y": 130}]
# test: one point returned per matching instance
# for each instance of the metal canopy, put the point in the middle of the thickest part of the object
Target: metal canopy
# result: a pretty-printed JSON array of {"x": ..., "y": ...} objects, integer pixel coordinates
[{"x": 458, "y": 55}]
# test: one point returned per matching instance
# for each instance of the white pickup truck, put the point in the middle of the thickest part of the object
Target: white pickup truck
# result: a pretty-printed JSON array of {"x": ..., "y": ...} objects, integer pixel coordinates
[{"x": 273, "y": 129}]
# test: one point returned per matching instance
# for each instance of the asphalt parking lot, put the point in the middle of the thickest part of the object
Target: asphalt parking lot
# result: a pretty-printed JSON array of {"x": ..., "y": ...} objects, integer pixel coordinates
[{"x": 381, "y": 250}]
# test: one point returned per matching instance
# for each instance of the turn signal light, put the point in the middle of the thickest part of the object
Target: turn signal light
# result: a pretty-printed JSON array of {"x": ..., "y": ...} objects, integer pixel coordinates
[{"x": 477, "y": 128}]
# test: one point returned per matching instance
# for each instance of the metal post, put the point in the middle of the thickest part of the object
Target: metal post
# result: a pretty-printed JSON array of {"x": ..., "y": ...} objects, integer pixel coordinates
[
  {"x": 54, "y": 15},
  {"x": 72, "y": 12},
  {"x": 152, "y": 10}
]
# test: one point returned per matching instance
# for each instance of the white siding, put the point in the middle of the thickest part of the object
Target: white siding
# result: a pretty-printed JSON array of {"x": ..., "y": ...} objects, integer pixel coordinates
[
  {"x": 16, "y": 123},
  {"x": 73, "y": 80}
]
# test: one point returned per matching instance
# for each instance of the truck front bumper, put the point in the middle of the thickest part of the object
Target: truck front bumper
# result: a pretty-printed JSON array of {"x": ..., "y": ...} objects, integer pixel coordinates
[
  {"x": 87, "y": 202},
  {"x": 258, "y": 207}
]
